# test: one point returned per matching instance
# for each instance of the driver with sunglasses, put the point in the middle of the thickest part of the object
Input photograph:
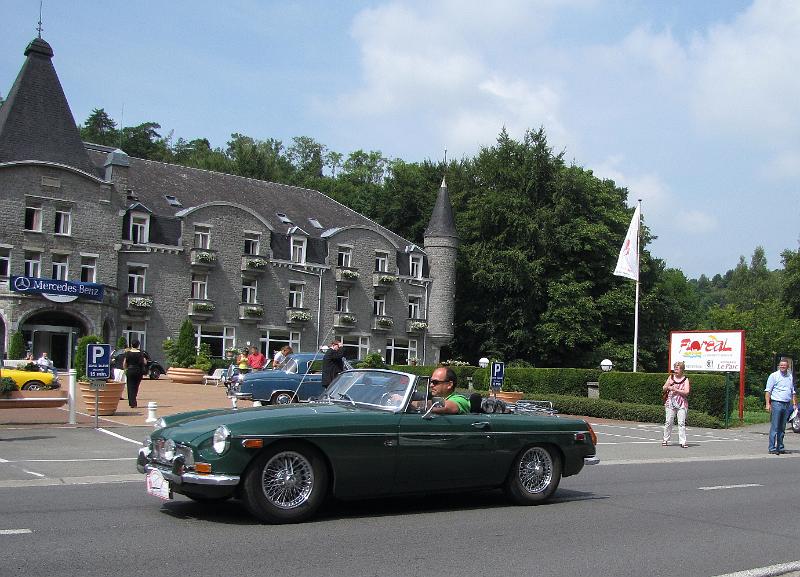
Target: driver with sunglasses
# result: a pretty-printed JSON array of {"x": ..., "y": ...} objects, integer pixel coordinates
[{"x": 443, "y": 384}]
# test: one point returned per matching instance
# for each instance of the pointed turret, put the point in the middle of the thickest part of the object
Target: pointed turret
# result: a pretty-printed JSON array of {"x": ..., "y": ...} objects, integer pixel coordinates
[
  {"x": 441, "y": 245},
  {"x": 36, "y": 123}
]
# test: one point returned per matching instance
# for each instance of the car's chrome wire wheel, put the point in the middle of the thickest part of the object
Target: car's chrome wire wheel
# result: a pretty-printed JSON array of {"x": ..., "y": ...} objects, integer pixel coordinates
[
  {"x": 535, "y": 470},
  {"x": 287, "y": 480}
]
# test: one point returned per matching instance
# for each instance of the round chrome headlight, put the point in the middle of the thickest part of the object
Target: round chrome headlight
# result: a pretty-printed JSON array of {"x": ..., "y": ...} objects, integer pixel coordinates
[
  {"x": 222, "y": 439},
  {"x": 160, "y": 423},
  {"x": 169, "y": 449}
]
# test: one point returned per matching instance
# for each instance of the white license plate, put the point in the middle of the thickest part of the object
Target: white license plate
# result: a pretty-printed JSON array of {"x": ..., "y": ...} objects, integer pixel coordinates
[{"x": 157, "y": 485}]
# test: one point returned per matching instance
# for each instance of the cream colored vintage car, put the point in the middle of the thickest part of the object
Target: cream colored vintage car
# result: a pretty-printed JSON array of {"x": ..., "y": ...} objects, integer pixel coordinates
[{"x": 35, "y": 380}]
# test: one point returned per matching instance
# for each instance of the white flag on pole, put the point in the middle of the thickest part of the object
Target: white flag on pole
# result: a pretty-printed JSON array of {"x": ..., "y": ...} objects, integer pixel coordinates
[{"x": 628, "y": 261}]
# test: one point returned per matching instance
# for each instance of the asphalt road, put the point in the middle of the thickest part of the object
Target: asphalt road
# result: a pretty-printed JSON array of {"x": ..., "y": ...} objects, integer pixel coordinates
[{"x": 72, "y": 504}]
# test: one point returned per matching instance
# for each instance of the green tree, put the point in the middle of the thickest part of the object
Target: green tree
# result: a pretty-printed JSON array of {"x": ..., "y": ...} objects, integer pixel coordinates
[
  {"x": 100, "y": 128},
  {"x": 80, "y": 355},
  {"x": 16, "y": 345},
  {"x": 182, "y": 353}
]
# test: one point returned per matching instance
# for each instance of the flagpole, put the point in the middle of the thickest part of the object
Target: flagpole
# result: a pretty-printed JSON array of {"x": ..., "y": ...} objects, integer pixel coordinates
[{"x": 638, "y": 271}]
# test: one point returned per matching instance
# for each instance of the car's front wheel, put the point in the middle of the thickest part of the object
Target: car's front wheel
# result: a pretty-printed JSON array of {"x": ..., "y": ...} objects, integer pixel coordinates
[
  {"x": 155, "y": 373},
  {"x": 535, "y": 475},
  {"x": 286, "y": 484}
]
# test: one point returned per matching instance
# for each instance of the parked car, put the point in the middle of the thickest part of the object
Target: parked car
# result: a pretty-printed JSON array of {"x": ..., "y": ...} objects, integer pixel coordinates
[
  {"x": 154, "y": 368},
  {"x": 299, "y": 379},
  {"x": 32, "y": 380},
  {"x": 371, "y": 435}
]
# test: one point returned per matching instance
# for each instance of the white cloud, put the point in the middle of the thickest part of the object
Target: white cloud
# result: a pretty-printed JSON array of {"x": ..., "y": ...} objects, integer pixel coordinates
[{"x": 745, "y": 74}]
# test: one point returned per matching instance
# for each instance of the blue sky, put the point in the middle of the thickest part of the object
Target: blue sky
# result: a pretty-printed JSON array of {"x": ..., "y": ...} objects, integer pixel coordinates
[{"x": 692, "y": 105}]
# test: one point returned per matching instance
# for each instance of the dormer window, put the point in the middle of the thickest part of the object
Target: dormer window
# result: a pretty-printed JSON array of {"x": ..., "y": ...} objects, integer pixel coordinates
[
  {"x": 172, "y": 200},
  {"x": 299, "y": 249},
  {"x": 315, "y": 223},
  {"x": 415, "y": 266},
  {"x": 284, "y": 219},
  {"x": 139, "y": 232}
]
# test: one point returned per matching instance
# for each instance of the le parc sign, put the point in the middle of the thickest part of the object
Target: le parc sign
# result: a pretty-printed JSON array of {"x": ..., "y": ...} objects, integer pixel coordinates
[
  {"x": 60, "y": 291},
  {"x": 708, "y": 351}
]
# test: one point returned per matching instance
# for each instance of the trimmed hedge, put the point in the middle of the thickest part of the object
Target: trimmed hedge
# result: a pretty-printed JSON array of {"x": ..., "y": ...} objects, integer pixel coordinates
[
  {"x": 605, "y": 409},
  {"x": 527, "y": 380},
  {"x": 707, "y": 396},
  {"x": 570, "y": 382}
]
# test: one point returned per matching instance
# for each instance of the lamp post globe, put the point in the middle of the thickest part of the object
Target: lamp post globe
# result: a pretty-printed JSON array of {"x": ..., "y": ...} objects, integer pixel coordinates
[
  {"x": 606, "y": 365},
  {"x": 483, "y": 363}
]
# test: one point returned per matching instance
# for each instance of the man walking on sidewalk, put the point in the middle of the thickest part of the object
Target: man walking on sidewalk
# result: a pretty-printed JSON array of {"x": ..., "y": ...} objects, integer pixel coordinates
[{"x": 779, "y": 393}]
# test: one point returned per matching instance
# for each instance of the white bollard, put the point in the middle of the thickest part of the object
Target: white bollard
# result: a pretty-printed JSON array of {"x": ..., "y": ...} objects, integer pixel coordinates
[
  {"x": 256, "y": 403},
  {"x": 152, "y": 407},
  {"x": 72, "y": 380},
  {"x": 234, "y": 402}
]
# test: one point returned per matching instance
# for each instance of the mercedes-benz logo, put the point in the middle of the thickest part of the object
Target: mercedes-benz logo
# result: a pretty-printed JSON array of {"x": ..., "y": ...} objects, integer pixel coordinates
[{"x": 22, "y": 283}]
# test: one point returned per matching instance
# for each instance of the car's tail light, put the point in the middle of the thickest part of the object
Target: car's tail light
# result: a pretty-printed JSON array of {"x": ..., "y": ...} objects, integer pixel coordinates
[
  {"x": 202, "y": 468},
  {"x": 593, "y": 434}
]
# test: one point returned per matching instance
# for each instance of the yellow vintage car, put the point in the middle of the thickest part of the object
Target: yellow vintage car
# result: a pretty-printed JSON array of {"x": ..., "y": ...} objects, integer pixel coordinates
[{"x": 31, "y": 380}]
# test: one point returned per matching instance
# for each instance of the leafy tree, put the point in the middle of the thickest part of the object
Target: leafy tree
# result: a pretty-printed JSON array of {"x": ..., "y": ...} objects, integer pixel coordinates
[
  {"x": 122, "y": 343},
  {"x": 80, "y": 355},
  {"x": 100, "y": 128},
  {"x": 16, "y": 345},
  {"x": 182, "y": 353},
  {"x": 144, "y": 141},
  {"x": 791, "y": 281}
]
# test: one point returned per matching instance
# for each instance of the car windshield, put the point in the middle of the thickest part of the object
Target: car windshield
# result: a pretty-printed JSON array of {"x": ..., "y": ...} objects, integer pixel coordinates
[{"x": 385, "y": 390}]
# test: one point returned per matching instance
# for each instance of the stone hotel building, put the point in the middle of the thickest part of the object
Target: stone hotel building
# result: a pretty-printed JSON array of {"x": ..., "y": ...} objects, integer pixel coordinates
[{"x": 138, "y": 246}]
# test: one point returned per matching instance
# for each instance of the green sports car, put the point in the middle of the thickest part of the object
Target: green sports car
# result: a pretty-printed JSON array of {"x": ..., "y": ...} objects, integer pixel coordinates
[{"x": 371, "y": 435}]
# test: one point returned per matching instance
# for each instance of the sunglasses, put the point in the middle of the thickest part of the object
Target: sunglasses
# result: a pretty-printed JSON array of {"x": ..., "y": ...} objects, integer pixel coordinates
[{"x": 435, "y": 382}]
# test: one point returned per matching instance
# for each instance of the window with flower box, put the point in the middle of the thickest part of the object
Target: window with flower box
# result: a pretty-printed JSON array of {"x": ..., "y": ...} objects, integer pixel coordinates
[
  {"x": 296, "y": 291},
  {"x": 136, "y": 279},
  {"x": 252, "y": 243},
  {"x": 342, "y": 300},
  {"x": 199, "y": 286},
  {"x": 249, "y": 291},
  {"x": 202, "y": 237}
]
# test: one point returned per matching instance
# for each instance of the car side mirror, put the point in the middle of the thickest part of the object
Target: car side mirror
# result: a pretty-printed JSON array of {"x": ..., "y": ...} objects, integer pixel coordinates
[{"x": 436, "y": 402}]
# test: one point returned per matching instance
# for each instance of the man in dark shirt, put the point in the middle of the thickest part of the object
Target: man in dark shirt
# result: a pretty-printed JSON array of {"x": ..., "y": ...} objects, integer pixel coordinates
[{"x": 332, "y": 363}]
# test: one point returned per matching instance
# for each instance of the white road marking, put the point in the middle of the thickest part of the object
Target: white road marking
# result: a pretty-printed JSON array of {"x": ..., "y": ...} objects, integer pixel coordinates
[
  {"x": 15, "y": 531},
  {"x": 781, "y": 569},
  {"x": 717, "y": 487},
  {"x": 72, "y": 460},
  {"x": 662, "y": 461},
  {"x": 113, "y": 434},
  {"x": 50, "y": 482},
  {"x": 3, "y": 461},
  {"x": 34, "y": 473}
]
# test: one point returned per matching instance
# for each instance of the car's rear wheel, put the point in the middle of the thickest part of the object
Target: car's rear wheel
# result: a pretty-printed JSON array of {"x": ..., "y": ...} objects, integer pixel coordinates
[
  {"x": 286, "y": 484},
  {"x": 535, "y": 475},
  {"x": 33, "y": 386}
]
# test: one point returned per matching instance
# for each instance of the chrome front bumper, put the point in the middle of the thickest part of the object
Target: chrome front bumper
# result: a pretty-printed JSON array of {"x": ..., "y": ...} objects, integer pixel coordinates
[
  {"x": 591, "y": 461},
  {"x": 188, "y": 478}
]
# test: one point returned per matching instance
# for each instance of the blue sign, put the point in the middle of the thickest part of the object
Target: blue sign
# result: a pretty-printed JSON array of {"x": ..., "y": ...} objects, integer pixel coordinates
[
  {"x": 497, "y": 373},
  {"x": 98, "y": 361},
  {"x": 56, "y": 290}
]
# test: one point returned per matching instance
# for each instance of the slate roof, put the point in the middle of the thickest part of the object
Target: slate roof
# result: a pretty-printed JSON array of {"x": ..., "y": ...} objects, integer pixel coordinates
[
  {"x": 442, "y": 222},
  {"x": 36, "y": 122},
  {"x": 150, "y": 181}
]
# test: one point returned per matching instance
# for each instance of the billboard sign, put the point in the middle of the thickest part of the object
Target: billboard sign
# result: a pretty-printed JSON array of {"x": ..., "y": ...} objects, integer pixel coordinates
[
  {"x": 708, "y": 350},
  {"x": 62, "y": 291}
]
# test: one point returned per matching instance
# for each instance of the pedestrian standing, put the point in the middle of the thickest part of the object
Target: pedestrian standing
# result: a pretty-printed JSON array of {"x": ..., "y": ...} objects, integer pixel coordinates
[
  {"x": 134, "y": 365},
  {"x": 332, "y": 363},
  {"x": 779, "y": 393},
  {"x": 256, "y": 359},
  {"x": 676, "y": 389}
]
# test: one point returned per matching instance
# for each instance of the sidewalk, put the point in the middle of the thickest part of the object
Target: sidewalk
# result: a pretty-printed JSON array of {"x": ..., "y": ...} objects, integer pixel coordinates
[{"x": 171, "y": 398}]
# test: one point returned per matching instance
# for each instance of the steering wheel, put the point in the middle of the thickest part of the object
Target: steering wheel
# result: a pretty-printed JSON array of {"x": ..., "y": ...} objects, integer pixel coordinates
[{"x": 386, "y": 399}]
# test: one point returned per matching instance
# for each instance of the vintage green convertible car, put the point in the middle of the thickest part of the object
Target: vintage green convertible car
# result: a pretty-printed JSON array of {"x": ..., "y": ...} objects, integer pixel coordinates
[{"x": 372, "y": 435}]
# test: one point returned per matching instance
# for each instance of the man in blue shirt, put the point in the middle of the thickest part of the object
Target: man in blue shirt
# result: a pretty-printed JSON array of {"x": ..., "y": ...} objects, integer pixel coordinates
[{"x": 779, "y": 394}]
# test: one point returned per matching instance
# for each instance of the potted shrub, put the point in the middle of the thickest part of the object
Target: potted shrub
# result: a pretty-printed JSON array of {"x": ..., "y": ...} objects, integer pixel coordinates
[
  {"x": 106, "y": 399},
  {"x": 183, "y": 356}
]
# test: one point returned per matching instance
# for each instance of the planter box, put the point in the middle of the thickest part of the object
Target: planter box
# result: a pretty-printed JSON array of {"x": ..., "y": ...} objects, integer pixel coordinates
[
  {"x": 108, "y": 398},
  {"x": 34, "y": 399},
  {"x": 186, "y": 376}
]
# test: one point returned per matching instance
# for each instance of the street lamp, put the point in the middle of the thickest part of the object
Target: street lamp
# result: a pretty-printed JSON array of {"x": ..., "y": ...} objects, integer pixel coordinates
[
  {"x": 606, "y": 365},
  {"x": 484, "y": 362}
]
